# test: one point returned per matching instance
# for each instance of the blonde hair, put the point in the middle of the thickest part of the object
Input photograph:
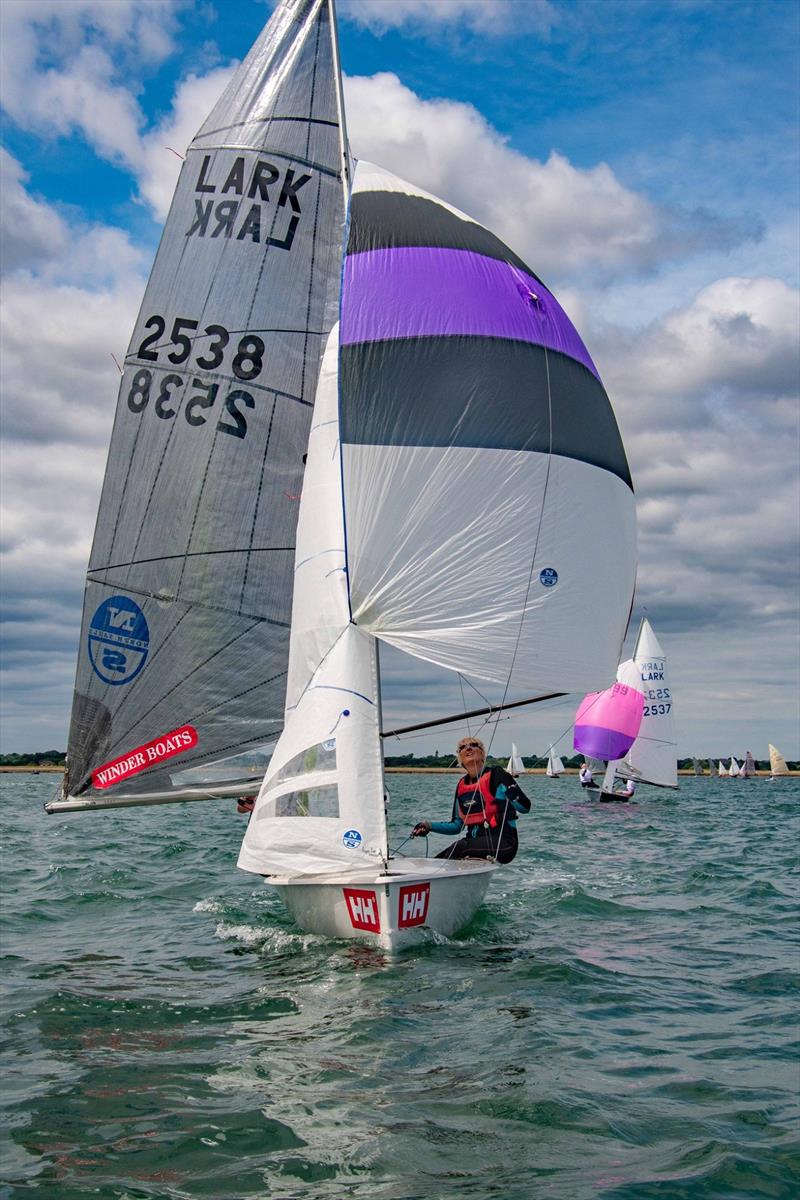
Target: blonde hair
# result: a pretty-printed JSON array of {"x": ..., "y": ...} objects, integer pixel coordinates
[{"x": 463, "y": 741}]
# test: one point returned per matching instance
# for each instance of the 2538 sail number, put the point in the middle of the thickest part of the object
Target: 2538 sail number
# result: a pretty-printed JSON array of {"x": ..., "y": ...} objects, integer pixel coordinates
[
  {"x": 203, "y": 396},
  {"x": 246, "y": 364},
  {"x": 247, "y": 361}
]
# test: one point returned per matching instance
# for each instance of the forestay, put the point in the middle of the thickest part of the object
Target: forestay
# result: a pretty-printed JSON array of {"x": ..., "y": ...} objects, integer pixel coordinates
[{"x": 184, "y": 642}]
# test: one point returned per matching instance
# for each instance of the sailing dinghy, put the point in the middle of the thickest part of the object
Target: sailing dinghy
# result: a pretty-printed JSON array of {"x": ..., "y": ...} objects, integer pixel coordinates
[
  {"x": 387, "y": 383},
  {"x": 515, "y": 764},
  {"x": 748, "y": 767},
  {"x": 653, "y": 756},
  {"x": 555, "y": 767},
  {"x": 777, "y": 763}
]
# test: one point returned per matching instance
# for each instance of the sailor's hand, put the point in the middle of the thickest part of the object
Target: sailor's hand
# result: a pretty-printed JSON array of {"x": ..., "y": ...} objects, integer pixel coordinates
[{"x": 421, "y": 829}]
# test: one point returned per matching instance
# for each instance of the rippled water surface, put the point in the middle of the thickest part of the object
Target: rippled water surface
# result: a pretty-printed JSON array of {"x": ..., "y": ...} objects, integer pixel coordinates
[{"x": 620, "y": 1019}]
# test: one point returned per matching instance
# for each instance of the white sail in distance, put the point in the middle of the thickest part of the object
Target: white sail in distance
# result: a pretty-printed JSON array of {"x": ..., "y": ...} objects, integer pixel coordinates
[
  {"x": 777, "y": 763},
  {"x": 653, "y": 757},
  {"x": 555, "y": 766},
  {"x": 515, "y": 765}
]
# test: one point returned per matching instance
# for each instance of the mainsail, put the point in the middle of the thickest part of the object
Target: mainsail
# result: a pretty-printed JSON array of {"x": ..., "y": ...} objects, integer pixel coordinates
[
  {"x": 555, "y": 766},
  {"x": 777, "y": 763},
  {"x": 653, "y": 757},
  {"x": 184, "y": 642},
  {"x": 515, "y": 765}
]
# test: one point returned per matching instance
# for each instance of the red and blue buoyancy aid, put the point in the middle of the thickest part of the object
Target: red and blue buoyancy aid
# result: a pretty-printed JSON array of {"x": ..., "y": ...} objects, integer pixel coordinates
[{"x": 477, "y": 804}]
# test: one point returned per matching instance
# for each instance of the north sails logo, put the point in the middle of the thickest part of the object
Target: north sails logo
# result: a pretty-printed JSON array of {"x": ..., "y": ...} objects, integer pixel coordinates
[{"x": 118, "y": 640}]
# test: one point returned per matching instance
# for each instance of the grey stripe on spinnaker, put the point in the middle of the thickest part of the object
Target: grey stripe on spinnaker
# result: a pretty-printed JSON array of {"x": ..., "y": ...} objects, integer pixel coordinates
[
  {"x": 479, "y": 392},
  {"x": 381, "y": 220}
]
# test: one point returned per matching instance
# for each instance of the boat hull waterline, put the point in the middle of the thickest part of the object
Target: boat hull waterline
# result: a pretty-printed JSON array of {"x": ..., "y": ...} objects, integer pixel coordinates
[{"x": 390, "y": 908}]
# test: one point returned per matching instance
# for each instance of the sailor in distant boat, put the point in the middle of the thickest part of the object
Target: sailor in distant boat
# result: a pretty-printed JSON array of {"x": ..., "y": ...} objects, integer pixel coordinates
[
  {"x": 486, "y": 805},
  {"x": 586, "y": 777}
]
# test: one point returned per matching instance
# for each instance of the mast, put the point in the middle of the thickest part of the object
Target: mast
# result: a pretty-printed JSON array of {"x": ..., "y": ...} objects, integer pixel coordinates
[{"x": 376, "y": 644}]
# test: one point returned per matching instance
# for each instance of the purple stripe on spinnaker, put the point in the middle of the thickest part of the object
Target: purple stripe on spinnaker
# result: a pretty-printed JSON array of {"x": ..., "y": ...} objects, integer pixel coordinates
[
  {"x": 607, "y": 744},
  {"x": 427, "y": 291}
]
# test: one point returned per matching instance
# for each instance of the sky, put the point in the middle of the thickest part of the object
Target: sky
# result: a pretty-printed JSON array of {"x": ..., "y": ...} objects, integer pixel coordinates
[{"x": 641, "y": 156}]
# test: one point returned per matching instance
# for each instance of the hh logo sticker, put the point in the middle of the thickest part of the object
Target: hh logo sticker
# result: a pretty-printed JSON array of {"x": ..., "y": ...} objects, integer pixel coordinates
[
  {"x": 145, "y": 756},
  {"x": 118, "y": 640},
  {"x": 548, "y": 577},
  {"x": 352, "y": 839},
  {"x": 413, "y": 905},
  {"x": 363, "y": 908}
]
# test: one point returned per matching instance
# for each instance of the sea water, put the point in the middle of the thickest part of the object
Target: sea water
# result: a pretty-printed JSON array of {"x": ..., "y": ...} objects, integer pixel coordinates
[{"x": 618, "y": 1021}]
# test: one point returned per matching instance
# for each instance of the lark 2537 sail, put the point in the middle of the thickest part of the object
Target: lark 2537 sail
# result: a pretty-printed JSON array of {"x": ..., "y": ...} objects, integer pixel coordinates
[{"x": 301, "y": 309}]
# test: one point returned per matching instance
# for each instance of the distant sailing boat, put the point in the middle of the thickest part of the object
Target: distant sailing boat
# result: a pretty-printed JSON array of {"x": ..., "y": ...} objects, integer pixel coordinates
[
  {"x": 653, "y": 757},
  {"x": 515, "y": 764},
  {"x": 697, "y": 766},
  {"x": 777, "y": 763},
  {"x": 299, "y": 308},
  {"x": 722, "y": 770},
  {"x": 555, "y": 766},
  {"x": 748, "y": 767},
  {"x": 734, "y": 770}
]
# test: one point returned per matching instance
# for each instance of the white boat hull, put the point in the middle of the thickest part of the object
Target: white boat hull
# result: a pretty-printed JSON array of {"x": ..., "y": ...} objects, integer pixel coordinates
[{"x": 392, "y": 908}]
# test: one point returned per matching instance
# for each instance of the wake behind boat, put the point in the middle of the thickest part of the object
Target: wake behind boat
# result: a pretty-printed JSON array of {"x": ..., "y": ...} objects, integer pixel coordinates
[{"x": 339, "y": 335}]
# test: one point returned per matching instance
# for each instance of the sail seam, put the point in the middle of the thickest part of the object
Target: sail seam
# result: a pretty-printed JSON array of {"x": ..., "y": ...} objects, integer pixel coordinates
[
  {"x": 261, "y": 476},
  {"x": 138, "y": 562},
  {"x": 292, "y": 158},
  {"x": 266, "y": 121},
  {"x": 256, "y": 618}
]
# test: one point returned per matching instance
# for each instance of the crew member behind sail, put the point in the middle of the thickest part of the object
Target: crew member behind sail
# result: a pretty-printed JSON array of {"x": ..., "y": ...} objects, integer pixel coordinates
[
  {"x": 628, "y": 790},
  {"x": 586, "y": 777},
  {"x": 486, "y": 804}
]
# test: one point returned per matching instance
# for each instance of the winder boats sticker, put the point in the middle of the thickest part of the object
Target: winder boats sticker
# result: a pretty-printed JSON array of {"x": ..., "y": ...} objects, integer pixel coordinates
[
  {"x": 167, "y": 746},
  {"x": 118, "y": 640}
]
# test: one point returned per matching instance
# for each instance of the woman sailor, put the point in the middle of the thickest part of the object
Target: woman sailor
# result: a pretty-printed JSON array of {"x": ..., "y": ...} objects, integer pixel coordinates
[{"x": 486, "y": 805}]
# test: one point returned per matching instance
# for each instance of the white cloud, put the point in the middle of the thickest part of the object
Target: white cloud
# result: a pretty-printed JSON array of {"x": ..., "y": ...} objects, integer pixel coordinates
[
  {"x": 29, "y": 229},
  {"x": 725, "y": 363},
  {"x": 73, "y": 66},
  {"x": 158, "y": 173},
  {"x": 478, "y": 16},
  {"x": 562, "y": 219}
]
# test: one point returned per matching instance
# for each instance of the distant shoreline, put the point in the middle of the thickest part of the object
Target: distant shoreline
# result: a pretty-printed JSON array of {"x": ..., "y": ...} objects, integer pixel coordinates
[{"x": 404, "y": 771}]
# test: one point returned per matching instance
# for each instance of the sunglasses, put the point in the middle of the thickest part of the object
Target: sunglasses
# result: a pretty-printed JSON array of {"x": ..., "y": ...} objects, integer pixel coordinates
[{"x": 470, "y": 746}]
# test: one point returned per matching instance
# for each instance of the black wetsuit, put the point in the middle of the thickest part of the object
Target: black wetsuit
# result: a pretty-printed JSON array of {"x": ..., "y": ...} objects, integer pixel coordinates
[{"x": 500, "y": 843}]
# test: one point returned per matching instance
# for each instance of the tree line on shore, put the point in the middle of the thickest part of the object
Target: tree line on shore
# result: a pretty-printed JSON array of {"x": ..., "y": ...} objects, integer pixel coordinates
[{"x": 56, "y": 758}]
